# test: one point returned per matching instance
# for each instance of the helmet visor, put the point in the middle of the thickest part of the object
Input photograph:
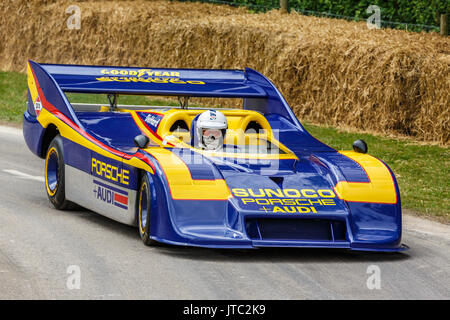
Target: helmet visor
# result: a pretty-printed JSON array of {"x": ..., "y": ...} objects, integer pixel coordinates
[{"x": 216, "y": 133}]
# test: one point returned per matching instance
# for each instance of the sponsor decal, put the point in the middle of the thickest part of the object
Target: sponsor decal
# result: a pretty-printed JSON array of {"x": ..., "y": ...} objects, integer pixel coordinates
[
  {"x": 152, "y": 120},
  {"x": 145, "y": 75},
  {"x": 110, "y": 172},
  {"x": 38, "y": 106},
  {"x": 285, "y": 200},
  {"x": 141, "y": 73},
  {"x": 110, "y": 195}
]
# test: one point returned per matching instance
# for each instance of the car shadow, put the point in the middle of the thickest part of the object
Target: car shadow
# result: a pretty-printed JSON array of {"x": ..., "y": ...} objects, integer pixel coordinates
[
  {"x": 92, "y": 217},
  {"x": 324, "y": 255}
]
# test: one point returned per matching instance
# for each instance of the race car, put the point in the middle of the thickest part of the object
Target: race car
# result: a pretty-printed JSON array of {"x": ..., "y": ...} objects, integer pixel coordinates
[{"x": 243, "y": 177}]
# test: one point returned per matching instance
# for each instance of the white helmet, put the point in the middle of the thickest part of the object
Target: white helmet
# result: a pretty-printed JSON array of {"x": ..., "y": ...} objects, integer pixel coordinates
[{"x": 211, "y": 129}]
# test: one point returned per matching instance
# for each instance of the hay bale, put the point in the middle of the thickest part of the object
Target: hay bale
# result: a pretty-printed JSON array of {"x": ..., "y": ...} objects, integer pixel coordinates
[{"x": 331, "y": 72}]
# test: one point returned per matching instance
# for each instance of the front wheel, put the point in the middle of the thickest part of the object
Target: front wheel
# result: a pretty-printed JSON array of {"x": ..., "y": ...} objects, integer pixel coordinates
[
  {"x": 54, "y": 175},
  {"x": 143, "y": 211}
]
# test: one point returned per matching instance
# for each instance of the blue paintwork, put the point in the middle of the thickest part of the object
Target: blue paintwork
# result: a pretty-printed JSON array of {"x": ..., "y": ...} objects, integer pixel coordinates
[
  {"x": 200, "y": 170},
  {"x": 77, "y": 156},
  {"x": 99, "y": 126},
  {"x": 33, "y": 133},
  {"x": 223, "y": 83},
  {"x": 224, "y": 223}
]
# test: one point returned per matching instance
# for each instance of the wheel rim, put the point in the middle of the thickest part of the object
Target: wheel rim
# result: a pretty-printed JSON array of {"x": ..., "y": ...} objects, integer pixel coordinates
[
  {"x": 51, "y": 171},
  {"x": 143, "y": 208}
]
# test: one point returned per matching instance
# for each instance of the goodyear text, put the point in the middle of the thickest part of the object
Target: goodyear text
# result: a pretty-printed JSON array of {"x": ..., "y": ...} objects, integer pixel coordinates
[{"x": 145, "y": 75}]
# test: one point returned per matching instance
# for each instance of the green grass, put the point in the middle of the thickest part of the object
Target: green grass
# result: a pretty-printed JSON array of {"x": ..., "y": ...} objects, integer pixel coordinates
[
  {"x": 423, "y": 171},
  {"x": 13, "y": 96}
]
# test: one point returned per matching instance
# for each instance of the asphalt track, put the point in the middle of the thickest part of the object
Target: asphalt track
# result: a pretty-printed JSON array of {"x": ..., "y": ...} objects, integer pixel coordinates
[{"x": 38, "y": 244}]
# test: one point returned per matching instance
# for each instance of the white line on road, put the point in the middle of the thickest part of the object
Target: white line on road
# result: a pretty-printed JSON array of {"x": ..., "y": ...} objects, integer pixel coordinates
[
  {"x": 24, "y": 175},
  {"x": 11, "y": 131},
  {"x": 425, "y": 226}
]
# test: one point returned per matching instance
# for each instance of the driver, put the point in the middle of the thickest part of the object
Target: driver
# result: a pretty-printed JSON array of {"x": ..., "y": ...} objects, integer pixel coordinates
[{"x": 211, "y": 128}]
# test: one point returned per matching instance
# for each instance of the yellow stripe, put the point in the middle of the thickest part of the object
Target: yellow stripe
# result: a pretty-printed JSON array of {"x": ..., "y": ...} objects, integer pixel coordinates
[
  {"x": 31, "y": 84},
  {"x": 181, "y": 184},
  {"x": 147, "y": 132},
  {"x": 50, "y": 192},
  {"x": 381, "y": 188},
  {"x": 45, "y": 118}
]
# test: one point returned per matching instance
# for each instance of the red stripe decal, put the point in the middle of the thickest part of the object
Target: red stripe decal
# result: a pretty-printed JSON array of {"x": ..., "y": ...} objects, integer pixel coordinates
[{"x": 121, "y": 199}]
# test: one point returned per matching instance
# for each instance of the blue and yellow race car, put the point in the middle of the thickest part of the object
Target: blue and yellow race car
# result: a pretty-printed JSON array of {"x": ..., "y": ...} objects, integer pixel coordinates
[{"x": 247, "y": 177}]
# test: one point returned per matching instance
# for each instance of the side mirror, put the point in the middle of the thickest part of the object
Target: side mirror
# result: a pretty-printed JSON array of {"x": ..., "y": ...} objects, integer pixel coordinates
[
  {"x": 360, "y": 146},
  {"x": 141, "y": 141}
]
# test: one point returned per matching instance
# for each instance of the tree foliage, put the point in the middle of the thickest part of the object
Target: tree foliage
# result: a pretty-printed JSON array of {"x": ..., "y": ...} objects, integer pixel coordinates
[{"x": 424, "y": 12}]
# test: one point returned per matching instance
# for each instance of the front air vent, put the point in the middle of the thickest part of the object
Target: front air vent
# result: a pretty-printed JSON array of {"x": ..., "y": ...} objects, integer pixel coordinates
[
  {"x": 296, "y": 229},
  {"x": 277, "y": 180}
]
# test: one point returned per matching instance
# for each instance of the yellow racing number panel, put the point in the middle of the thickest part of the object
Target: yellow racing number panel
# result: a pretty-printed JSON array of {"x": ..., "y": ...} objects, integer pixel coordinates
[{"x": 381, "y": 187}]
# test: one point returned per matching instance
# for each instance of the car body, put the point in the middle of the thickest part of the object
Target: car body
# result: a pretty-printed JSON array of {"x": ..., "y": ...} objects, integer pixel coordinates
[{"x": 275, "y": 186}]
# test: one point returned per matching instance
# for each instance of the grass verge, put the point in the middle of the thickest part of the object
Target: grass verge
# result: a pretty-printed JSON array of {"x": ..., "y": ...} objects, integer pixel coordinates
[{"x": 423, "y": 171}]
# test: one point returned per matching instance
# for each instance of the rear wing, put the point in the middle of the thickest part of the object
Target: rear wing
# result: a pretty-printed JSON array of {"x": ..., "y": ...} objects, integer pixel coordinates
[
  {"x": 145, "y": 81},
  {"x": 256, "y": 90}
]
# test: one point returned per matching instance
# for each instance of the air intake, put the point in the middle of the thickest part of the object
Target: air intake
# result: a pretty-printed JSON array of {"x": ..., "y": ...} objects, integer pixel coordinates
[
  {"x": 296, "y": 229},
  {"x": 277, "y": 180}
]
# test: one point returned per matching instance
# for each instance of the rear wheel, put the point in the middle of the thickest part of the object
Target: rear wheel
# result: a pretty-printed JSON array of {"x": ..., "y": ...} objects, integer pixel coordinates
[
  {"x": 54, "y": 175},
  {"x": 143, "y": 211}
]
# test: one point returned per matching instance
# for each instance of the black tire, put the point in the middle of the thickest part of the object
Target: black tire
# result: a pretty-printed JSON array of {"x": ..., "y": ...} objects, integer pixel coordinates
[
  {"x": 143, "y": 208},
  {"x": 54, "y": 176}
]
